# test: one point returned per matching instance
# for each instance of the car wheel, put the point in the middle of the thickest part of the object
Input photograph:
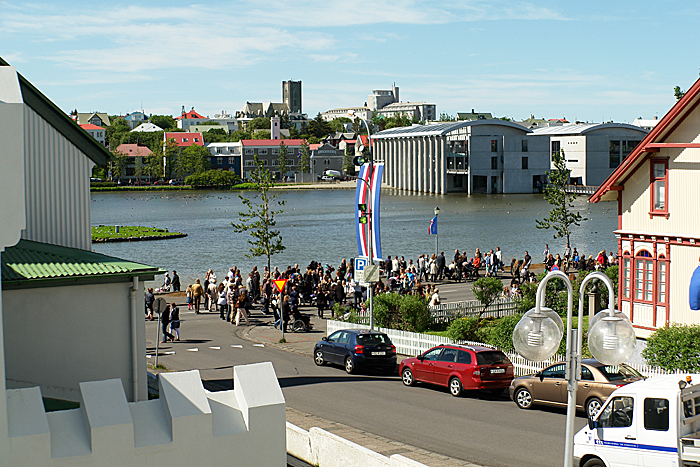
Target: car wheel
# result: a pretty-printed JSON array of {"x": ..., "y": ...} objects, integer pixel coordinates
[
  {"x": 594, "y": 462},
  {"x": 407, "y": 377},
  {"x": 318, "y": 357},
  {"x": 349, "y": 365},
  {"x": 523, "y": 398},
  {"x": 455, "y": 386},
  {"x": 593, "y": 406}
]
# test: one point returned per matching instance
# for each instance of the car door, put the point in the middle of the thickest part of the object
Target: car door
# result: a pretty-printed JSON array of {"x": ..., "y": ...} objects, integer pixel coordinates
[
  {"x": 585, "y": 386},
  {"x": 617, "y": 432},
  {"x": 424, "y": 368},
  {"x": 340, "y": 348},
  {"x": 328, "y": 347},
  {"x": 551, "y": 385},
  {"x": 444, "y": 366}
]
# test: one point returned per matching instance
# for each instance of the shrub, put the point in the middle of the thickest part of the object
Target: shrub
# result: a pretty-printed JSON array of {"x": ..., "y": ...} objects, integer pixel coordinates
[
  {"x": 465, "y": 329},
  {"x": 386, "y": 310},
  {"x": 675, "y": 348},
  {"x": 414, "y": 314},
  {"x": 486, "y": 290},
  {"x": 500, "y": 332},
  {"x": 213, "y": 178}
]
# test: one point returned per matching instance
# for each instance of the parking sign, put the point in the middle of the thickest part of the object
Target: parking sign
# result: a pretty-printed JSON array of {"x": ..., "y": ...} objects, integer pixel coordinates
[{"x": 360, "y": 263}]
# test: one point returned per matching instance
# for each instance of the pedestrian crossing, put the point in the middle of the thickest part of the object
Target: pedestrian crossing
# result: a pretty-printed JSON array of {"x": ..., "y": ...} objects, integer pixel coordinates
[{"x": 152, "y": 353}]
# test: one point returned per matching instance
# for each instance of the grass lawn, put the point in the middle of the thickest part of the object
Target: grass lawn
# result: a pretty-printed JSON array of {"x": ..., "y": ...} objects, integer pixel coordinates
[{"x": 103, "y": 233}]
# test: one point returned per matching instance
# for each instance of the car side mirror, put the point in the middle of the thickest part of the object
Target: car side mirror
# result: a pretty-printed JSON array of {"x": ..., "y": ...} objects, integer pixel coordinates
[
  {"x": 324, "y": 338},
  {"x": 540, "y": 376},
  {"x": 421, "y": 357},
  {"x": 592, "y": 423}
]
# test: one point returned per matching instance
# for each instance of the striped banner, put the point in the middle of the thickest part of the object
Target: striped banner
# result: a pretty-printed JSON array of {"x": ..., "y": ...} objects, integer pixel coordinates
[{"x": 374, "y": 180}]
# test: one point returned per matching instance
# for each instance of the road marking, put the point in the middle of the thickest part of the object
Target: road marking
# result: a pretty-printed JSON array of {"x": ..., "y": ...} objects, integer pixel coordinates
[
  {"x": 258, "y": 345},
  {"x": 193, "y": 350},
  {"x": 148, "y": 356},
  {"x": 215, "y": 348},
  {"x": 172, "y": 352},
  {"x": 237, "y": 346}
]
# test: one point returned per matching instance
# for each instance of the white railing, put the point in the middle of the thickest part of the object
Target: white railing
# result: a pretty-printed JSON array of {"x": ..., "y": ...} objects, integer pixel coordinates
[
  {"x": 414, "y": 343},
  {"x": 448, "y": 311}
]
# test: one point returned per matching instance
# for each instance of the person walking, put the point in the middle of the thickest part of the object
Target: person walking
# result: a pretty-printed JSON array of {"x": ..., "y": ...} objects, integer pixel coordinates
[
  {"x": 441, "y": 265},
  {"x": 231, "y": 300},
  {"x": 165, "y": 322},
  {"x": 189, "y": 300},
  {"x": 240, "y": 307},
  {"x": 175, "y": 320},
  {"x": 175, "y": 282},
  {"x": 197, "y": 292},
  {"x": 149, "y": 299},
  {"x": 221, "y": 301}
]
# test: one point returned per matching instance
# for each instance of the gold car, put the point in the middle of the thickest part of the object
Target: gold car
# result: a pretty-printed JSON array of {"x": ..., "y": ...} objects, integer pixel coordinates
[{"x": 548, "y": 386}]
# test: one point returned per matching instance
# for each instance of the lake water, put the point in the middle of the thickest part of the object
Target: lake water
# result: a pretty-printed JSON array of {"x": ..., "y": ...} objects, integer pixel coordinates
[{"x": 319, "y": 225}]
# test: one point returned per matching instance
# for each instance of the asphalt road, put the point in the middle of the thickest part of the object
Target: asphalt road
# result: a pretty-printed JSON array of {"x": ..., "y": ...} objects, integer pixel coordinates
[{"x": 478, "y": 428}]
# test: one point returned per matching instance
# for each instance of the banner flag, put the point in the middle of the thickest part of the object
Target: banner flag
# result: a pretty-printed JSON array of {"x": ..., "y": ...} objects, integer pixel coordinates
[
  {"x": 432, "y": 230},
  {"x": 374, "y": 180}
]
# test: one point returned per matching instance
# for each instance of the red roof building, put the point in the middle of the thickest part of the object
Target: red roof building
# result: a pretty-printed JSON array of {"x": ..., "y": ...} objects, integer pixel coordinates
[
  {"x": 191, "y": 114},
  {"x": 183, "y": 139},
  {"x": 271, "y": 142},
  {"x": 134, "y": 150}
]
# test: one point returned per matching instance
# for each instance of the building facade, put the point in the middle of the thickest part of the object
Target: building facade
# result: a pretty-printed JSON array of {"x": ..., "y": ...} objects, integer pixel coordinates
[
  {"x": 364, "y": 112},
  {"x": 658, "y": 241},
  {"x": 592, "y": 150},
  {"x": 326, "y": 157},
  {"x": 96, "y": 132},
  {"x": 419, "y": 111},
  {"x": 268, "y": 152},
  {"x": 481, "y": 156},
  {"x": 187, "y": 119},
  {"x": 225, "y": 156}
]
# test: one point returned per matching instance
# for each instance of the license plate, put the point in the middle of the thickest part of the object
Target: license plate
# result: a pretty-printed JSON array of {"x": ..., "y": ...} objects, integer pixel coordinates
[
  {"x": 378, "y": 353},
  {"x": 498, "y": 370}
]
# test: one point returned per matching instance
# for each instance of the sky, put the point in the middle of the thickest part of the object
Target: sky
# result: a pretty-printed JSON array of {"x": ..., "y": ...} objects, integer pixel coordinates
[{"x": 589, "y": 61}]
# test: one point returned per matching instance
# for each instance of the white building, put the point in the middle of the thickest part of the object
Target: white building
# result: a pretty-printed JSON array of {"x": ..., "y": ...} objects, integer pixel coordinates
[
  {"x": 72, "y": 325},
  {"x": 592, "y": 150},
  {"x": 420, "y": 111},
  {"x": 96, "y": 132},
  {"x": 363, "y": 112},
  {"x": 480, "y": 156},
  {"x": 646, "y": 123},
  {"x": 147, "y": 127}
]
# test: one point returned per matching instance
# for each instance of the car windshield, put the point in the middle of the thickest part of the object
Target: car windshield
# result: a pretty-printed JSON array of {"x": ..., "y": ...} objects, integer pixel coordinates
[
  {"x": 491, "y": 358},
  {"x": 619, "y": 372},
  {"x": 373, "y": 339}
]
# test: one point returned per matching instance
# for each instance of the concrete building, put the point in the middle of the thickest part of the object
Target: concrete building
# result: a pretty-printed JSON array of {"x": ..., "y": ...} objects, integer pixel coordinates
[
  {"x": 592, "y": 150},
  {"x": 419, "y": 111},
  {"x": 183, "y": 139},
  {"x": 381, "y": 97},
  {"x": 657, "y": 234},
  {"x": 363, "y": 112},
  {"x": 646, "y": 123},
  {"x": 96, "y": 132},
  {"x": 480, "y": 156},
  {"x": 72, "y": 325},
  {"x": 268, "y": 152},
  {"x": 291, "y": 95}
]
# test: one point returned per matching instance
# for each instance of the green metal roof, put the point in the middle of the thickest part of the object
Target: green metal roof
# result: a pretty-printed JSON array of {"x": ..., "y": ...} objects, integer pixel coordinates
[{"x": 33, "y": 262}]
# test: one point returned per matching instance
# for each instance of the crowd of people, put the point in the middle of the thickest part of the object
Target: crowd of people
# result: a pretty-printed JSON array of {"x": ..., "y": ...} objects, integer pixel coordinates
[{"x": 323, "y": 286}]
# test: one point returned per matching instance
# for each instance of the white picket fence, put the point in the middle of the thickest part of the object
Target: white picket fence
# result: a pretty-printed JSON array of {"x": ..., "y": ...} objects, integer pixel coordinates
[{"x": 413, "y": 343}]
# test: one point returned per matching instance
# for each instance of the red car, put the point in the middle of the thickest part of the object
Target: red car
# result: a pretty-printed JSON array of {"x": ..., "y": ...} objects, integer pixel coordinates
[{"x": 460, "y": 368}]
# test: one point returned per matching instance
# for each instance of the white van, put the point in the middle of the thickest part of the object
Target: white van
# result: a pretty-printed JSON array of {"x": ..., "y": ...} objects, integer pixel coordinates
[{"x": 655, "y": 423}]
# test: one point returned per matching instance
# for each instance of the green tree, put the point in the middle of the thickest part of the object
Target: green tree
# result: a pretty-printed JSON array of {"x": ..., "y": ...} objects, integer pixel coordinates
[
  {"x": 138, "y": 168},
  {"x": 674, "y": 348},
  {"x": 305, "y": 159},
  {"x": 119, "y": 163},
  {"x": 319, "y": 128},
  {"x": 215, "y": 135},
  {"x": 192, "y": 160},
  {"x": 444, "y": 117},
  {"x": 261, "y": 134},
  {"x": 348, "y": 164},
  {"x": 166, "y": 122},
  {"x": 487, "y": 290},
  {"x": 239, "y": 135},
  {"x": 561, "y": 217},
  {"x": 283, "y": 160},
  {"x": 258, "y": 123},
  {"x": 259, "y": 219},
  {"x": 678, "y": 93}
]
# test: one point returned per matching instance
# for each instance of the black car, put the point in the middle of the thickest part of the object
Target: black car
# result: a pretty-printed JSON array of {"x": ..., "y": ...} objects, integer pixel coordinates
[{"x": 354, "y": 349}]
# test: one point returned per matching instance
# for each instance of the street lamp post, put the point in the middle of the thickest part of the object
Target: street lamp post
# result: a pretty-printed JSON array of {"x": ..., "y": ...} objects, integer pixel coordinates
[
  {"x": 368, "y": 202},
  {"x": 611, "y": 340},
  {"x": 437, "y": 211}
]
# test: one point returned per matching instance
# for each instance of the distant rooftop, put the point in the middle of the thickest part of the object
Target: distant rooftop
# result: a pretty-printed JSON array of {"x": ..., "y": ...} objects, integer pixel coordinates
[
  {"x": 581, "y": 128},
  {"x": 441, "y": 128}
]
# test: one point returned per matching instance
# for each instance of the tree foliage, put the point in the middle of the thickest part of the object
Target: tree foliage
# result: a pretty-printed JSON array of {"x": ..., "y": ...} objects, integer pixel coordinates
[
  {"x": 319, "y": 128},
  {"x": 166, "y": 122},
  {"x": 191, "y": 161},
  {"x": 119, "y": 163},
  {"x": 404, "y": 312},
  {"x": 215, "y": 135},
  {"x": 213, "y": 178},
  {"x": 258, "y": 123},
  {"x": 259, "y": 218},
  {"x": 283, "y": 160},
  {"x": 674, "y": 348},
  {"x": 561, "y": 217},
  {"x": 445, "y": 117},
  {"x": 348, "y": 164},
  {"x": 305, "y": 159},
  {"x": 486, "y": 290},
  {"x": 678, "y": 93}
]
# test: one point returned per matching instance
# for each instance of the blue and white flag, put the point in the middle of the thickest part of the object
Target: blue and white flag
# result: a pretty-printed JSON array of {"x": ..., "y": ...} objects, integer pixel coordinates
[{"x": 432, "y": 230}]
